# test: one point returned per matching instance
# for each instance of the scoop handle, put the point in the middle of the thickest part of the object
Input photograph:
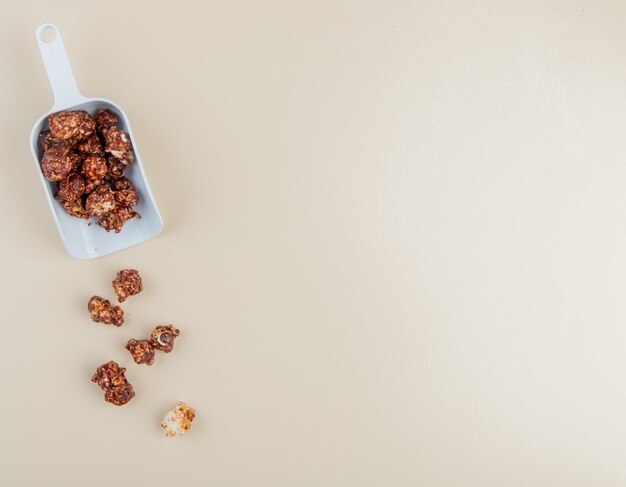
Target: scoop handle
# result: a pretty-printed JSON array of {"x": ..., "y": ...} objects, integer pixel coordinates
[{"x": 58, "y": 68}]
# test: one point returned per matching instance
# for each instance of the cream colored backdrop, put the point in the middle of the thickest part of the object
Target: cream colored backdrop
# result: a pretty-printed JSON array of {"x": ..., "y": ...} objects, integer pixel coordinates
[{"x": 395, "y": 245}]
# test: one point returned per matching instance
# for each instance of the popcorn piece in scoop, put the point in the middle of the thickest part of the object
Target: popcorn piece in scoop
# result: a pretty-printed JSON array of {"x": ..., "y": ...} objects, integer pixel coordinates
[
  {"x": 47, "y": 140},
  {"x": 91, "y": 185},
  {"x": 91, "y": 147},
  {"x": 76, "y": 208},
  {"x": 117, "y": 143},
  {"x": 115, "y": 168},
  {"x": 106, "y": 119},
  {"x": 116, "y": 219},
  {"x": 71, "y": 188},
  {"x": 77, "y": 125},
  {"x": 57, "y": 164},
  {"x": 100, "y": 201},
  {"x": 125, "y": 192},
  {"x": 94, "y": 167}
]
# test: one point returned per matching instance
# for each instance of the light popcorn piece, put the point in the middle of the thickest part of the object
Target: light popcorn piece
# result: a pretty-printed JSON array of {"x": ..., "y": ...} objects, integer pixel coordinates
[{"x": 178, "y": 421}]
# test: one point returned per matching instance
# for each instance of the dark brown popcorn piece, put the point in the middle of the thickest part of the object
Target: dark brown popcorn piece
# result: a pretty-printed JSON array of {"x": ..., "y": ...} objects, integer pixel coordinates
[
  {"x": 56, "y": 164},
  {"x": 112, "y": 380},
  {"x": 72, "y": 188},
  {"x": 90, "y": 186},
  {"x": 91, "y": 146},
  {"x": 162, "y": 337},
  {"x": 102, "y": 311},
  {"x": 109, "y": 375},
  {"x": 100, "y": 202},
  {"x": 126, "y": 197},
  {"x": 119, "y": 395},
  {"x": 94, "y": 167},
  {"x": 125, "y": 192},
  {"x": 115, "y": 168},
  {"x": 127, "y": 157},
  {"x": 141, "y": 350},
  {"x": 115, "y": 220},
  {"x": 117, "y": 143},
  {"x": 127, "y": 283},
  {"x": 76, "y": 208},
  {"x": 75, "y": 160},
  {"x": 76, "y": 125},
  {"x": 47, "y": 140},
  {"x": 122, "y": 183},
  {"x": 106, "y": 119}
]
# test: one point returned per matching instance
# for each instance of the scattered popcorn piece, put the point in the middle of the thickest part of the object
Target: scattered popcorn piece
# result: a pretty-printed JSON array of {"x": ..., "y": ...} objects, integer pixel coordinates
[
  {"x": 141, "y": 350},
  {"x": 102, "y": 312},
  {"x": 112, "y": 380},
  {"x": 178, "y": 420},
  {"x": 127, "y": 283},
  {"x": 162, "y": 337}
]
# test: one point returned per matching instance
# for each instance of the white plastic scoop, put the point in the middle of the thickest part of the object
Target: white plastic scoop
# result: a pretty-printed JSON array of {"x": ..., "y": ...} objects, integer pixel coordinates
[{"x": 84, "y": 241}]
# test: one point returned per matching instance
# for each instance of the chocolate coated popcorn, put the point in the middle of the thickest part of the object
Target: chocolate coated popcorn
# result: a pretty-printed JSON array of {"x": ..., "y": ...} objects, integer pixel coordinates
[
  {"x": 109, "y": 375},
  {"x": 100, "y": 202},
  {"x": 91, "y": 185},
  {"x": 115, "y": 168},
  {"x": 47, "y": 140},
  {"x": 94, "y": 167},
  {"x": 141, "y": 350},
  {"x": 102, "y": 311},
  {"x": 125, "y": 192},
  {"x": 72, "y": 188},
  {"x": 91, "y": 146},
  {"x": 112, "y": 380},
  {"x": 162, "y": 337},
  {"x": 117, "y": 143},
  {"x": 105, "y": 119},
  {"x": 76, "y": 125},
  {"x": 56, "y": 164},
  {"x": 127, "y": 283},
  {"x": 116, "y": 219},
  {"x": 76, "y": 208}
]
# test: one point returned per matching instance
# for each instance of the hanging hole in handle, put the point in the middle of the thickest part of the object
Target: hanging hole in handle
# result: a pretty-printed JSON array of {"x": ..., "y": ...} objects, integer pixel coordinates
[{"x": 48, "y": 34}]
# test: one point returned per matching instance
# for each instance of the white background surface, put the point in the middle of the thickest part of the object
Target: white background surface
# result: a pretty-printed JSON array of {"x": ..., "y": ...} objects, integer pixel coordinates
[{"x": 395, "y": 246}]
